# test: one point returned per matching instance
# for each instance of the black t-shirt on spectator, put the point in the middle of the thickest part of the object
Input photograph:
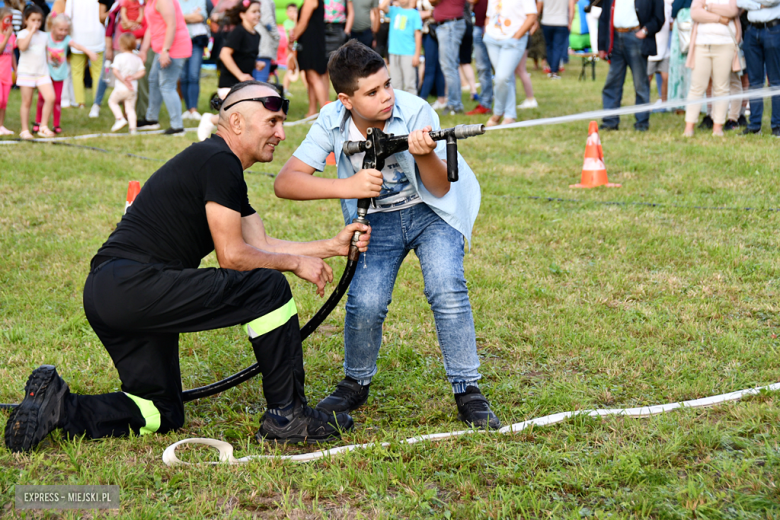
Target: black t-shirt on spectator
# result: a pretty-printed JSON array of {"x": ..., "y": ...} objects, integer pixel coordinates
[
  {"x": 245, "y": 47},
  {"x": 107, "y": 3},
  {"x": 167, "y": 222}
]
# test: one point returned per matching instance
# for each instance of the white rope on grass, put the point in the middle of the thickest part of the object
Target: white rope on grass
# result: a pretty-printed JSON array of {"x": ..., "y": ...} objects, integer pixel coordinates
[
  {"x": 635, "y": 109},
  {"x": 226, "y": 449}
]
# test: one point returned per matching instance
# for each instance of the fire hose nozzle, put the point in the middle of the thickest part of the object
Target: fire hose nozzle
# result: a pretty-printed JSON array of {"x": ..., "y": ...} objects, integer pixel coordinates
[
  {"x": 353, "y": 147},
  {"x": 464, "y": 131}
]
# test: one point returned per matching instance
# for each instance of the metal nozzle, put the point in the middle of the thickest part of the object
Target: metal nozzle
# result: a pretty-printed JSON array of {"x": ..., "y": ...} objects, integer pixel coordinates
[
  {"x": 464, "y": 131},
  {"x": 353, "y": 147}
]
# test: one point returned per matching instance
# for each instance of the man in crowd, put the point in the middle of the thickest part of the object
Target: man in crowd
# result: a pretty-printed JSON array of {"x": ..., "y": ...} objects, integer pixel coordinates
[
  {"x": 626, "y": 38},
  {"x": 144, "y": 289},
  {"x": 449, "y": 15}
]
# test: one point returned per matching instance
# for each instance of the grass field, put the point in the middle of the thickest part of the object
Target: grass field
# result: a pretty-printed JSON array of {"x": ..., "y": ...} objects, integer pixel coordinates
[{"x": 578, "y": 304}]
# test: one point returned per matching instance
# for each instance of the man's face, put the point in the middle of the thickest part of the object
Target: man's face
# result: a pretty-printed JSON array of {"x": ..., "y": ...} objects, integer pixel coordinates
[
  {"x": 264, "y": 130},
  {"x": 374, "y": 98}
]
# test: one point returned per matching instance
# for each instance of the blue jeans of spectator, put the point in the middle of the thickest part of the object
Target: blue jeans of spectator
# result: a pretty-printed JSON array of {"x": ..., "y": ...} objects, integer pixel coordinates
[
  {"x": 162, "y": 87},
  {"x": 100, "y": 91},
  {"x": 626, "y": 52},
  {"x": 440, "y": 250},
  {"x": 263, "y": 75},
  {"x": 365, "y": 37},
  {"x": 484, "y": 72},
  {"x": 762, "y": 57},
  {"x": 505, "y": 55},
  {"x": 190, "y": 77},
  {"x": 557, "y": 42},
  {"x": 433, "y": 79},
  {"x": 450, "y": 35}
]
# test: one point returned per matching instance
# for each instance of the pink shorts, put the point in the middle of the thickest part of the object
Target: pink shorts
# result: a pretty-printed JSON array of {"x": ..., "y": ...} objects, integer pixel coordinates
[
  {"x": 5, "y": 90},
  {"x": 32, "y": 81}
]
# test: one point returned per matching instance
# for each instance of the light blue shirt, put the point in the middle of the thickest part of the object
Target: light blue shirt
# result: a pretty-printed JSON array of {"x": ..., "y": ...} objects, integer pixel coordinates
[
  {"x": 458, "y": 208},
  {"x": 403, "y": 24},
  {"x": 760, "y": 11}
]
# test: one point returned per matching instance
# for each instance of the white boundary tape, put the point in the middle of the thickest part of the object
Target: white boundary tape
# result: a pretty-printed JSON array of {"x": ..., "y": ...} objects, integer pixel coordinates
[{"x": 226, "y": 449}]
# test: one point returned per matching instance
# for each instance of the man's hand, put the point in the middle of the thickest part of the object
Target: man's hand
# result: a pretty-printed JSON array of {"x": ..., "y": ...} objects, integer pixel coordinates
[
  {"x": 603, "y": 55},
  {"x": 343, "y": 240},
  {"x": 315, "y": 271},
  {"x": 420, "y": 142},
  {"x": 641, "y": 33},
  {"x": 365, "y": 184}
]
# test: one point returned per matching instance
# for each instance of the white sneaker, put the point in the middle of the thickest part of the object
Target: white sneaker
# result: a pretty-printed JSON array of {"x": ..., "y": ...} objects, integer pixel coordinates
[
  {"x": 194, "y": 116},
  {"x": 438, "y": 106},
  {"x": 528, "y": 103},
  {"x": 94, "y": 111},
  {"x": 185, "y": 115},
  {"x": 205, "y": 127},
  {"x": 119, "y": 124}
]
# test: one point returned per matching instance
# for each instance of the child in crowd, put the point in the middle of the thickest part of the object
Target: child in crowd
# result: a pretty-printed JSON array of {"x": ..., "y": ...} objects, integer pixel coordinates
[
  {"x": 127, "y": 68},
  {"x": 132, "y": 18},
  {"x": 290, "y": 63},
  {"x": 238, "y": 56},
  {"x": 7, "y": 63},
  {"x": 404, "y": 43},
  {"x": 57, "y": 45},
  {"x": 32, "y": 71},
  {"x": 417, "y": 208}
]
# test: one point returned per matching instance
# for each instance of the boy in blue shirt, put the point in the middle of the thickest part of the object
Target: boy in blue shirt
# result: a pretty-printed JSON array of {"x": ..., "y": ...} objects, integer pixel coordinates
[
  {"x": 404, "y": 44},
  {"x": 417, "y": 208}
]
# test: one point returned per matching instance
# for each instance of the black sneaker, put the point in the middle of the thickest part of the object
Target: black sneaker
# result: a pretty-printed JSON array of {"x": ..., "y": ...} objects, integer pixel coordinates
[
  {"x": 348, "y": 396},
  {"x": 730, "y": 125},
  {"x": 305, "y": 424},
  {"x": 706, "y": 123},
  {"x": 748, "y": 131},
  {"x": 40, "y": 412},
  {"x": 776, "y": 132},
  {"x": 474, "y": 409},
  {"x": 602, "y": 126},
  {"x": 145, "y": 124},
  {"x": 173, "y": 131},
  {"x": 742, "y": 121}
]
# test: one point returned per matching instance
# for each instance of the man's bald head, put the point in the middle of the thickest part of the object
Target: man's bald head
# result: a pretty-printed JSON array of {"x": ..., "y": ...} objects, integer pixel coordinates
[{"x": 242, "y": 91}]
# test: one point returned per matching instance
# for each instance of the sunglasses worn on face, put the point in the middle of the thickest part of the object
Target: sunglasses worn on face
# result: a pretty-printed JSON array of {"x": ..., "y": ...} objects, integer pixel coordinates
[{"x": 272, "y": 103}]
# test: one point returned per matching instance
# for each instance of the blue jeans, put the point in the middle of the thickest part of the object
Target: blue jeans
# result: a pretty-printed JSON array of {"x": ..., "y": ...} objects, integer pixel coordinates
[
  {"x": 506, "y": 55},
  {"x": 433, "y": 80},
  {"x": 484, "y": 72},
  {"x": 557, "y": 41},
  {"x": 450, "y": 35},
  {"x": 100, "y": 91},
  {"x": 190, "y": 77},
  {"x": 762, "y": 53},
  {"x": 263, "y": 75},
  {"x": 365, "y": 37},
  {"x": 626, "y": 52},
  {"x": 440, "y": 250},
  {"x": 162, "y": 87}
]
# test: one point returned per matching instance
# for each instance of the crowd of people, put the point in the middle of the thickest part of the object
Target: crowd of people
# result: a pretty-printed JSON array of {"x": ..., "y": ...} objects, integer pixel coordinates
[{"x": 692, "y": 47}]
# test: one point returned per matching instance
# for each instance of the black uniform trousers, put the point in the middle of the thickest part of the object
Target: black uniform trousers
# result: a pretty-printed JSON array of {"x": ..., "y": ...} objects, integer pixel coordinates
[{"x": 138, "y": 310}]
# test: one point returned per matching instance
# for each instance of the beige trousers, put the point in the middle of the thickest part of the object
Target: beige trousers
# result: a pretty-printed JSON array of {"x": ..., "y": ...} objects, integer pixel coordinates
[{"x": 710, "y": 61}]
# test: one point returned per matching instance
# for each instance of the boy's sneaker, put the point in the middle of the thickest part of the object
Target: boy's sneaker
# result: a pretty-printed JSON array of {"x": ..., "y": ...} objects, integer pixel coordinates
[
  {"x": 474, "y": 409},
  {"x": 143, "y": 124},
  {"x": 119, "y": 124},
  {"x": 94, "y": 111},
  {"x": 304, "y": 424},
  {"x": 479, "y": 110},
  {"x": 528, "y": 103},
  {"x": 348, "y": 396},
  {"x": 205, "y": 127},
  {"x": 40, "y": 412},
  {"x": 173, "y": 131}
]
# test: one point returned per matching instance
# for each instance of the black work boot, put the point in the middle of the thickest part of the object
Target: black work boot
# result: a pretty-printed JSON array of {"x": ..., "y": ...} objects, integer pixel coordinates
[
  {"x": 348, "y": 396},
  {"x": 304, "y": 424},
  {"x": 474, "y": 409},
  {"x": 39, "y": 413}
]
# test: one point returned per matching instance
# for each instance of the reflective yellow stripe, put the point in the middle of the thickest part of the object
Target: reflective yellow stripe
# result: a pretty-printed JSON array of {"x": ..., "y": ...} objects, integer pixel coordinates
[
  {"x": 149, "y": 411},
  {"x": 272, "y": 320}
]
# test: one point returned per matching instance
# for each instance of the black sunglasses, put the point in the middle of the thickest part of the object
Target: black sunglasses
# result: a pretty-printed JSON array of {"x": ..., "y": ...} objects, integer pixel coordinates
[{"x": 272, "y": 103}]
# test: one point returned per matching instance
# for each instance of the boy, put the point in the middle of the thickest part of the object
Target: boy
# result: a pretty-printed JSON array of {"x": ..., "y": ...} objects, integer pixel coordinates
[
  {"x": 404, "y": 44},
  {"x": 416, "y": 208}
]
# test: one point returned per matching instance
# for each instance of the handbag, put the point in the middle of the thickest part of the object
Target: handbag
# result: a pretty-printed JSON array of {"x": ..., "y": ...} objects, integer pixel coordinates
[
  {"x": 742, "y": 64},
  {"x": 684, "y": 30}
]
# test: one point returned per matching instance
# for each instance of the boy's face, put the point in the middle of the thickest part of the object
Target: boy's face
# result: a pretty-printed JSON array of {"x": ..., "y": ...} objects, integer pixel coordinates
[
  {"x": 374, "y": 98},
  {"x": 407, "y": 4},
  {"x": 292, "y": 13}
]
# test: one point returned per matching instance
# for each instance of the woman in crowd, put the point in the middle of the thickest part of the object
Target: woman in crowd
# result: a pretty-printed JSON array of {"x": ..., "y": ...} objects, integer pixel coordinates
[
  {"x": 88, "y": 30},
  {"x": 433, "y": 77},
  {"x": 194, "y": 12},
  {"x": 714, "y": 39},
  {"x": 309, "y": 34},
  {"x": 168, "y": 37},
  {"x": 679, "y": 74},
  {"x": 506, "y": 35}
]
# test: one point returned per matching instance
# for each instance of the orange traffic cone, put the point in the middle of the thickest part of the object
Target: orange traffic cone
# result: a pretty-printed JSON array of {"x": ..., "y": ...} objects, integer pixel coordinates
[
  {"x": 594, "y": 172},
  {"x": 132, "y": 192},
  {"x": 331, "y": 159}
]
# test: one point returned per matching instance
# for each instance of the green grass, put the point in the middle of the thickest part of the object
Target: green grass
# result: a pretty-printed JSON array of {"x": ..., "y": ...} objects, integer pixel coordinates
[{"x": 577, "y": 304}]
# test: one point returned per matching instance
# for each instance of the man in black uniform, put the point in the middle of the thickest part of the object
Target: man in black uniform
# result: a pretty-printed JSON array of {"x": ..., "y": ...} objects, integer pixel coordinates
[{"x": 144, "y": 289}]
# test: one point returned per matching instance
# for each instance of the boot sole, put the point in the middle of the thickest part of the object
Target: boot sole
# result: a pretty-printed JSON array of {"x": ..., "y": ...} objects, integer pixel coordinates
[{"x": 21, "y": 431}]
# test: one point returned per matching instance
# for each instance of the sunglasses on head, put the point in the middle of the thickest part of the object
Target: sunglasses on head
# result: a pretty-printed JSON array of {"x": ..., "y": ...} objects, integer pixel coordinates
[{"x": 272, "y": 103}]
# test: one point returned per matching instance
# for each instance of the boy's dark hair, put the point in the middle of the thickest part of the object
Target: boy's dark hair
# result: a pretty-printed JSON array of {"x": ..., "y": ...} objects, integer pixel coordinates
[
  {"x": 292, "y": 4},
  {"x": 351, "y": 62}
]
